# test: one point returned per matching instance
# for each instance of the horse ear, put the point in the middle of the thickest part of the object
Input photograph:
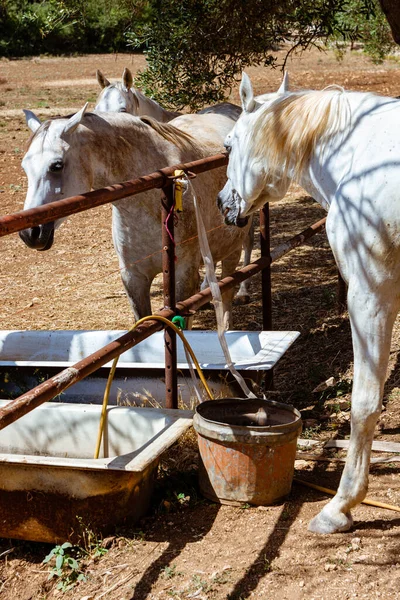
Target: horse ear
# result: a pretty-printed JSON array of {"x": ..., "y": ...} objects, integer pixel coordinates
[
  {"x": 127, "y": 79},
  {"x": 246, "y": 94},
  {"x": 103, "y": 82},
  {"x": 284, "y": 87},
  {"x": 75, "y": 120},
  {"x": 32, "y": 120}
]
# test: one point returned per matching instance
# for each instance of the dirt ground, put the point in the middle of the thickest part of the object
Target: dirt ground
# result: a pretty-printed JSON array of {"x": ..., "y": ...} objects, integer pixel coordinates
[{"x": 188, "y": 547}]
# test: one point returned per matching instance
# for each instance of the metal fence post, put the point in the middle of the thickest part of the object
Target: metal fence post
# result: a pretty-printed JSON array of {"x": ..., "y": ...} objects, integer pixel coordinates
[
  {"x": 168, "y": 265},
  {"x": 266, "y": 272},
  {"x": 266, "y": 292}
]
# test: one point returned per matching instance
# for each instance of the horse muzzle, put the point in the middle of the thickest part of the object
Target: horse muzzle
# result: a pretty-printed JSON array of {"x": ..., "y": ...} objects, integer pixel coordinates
[
  {"x": 40, "y": 237},
  {"x": 228, "y": 202}
]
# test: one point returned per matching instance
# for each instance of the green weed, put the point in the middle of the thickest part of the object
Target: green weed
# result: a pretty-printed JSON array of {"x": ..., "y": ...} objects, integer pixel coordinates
[
  {"x": 66, "y": 566},
  {"x": 170, "y": 571},
  {"x": 311, "y": 432}
]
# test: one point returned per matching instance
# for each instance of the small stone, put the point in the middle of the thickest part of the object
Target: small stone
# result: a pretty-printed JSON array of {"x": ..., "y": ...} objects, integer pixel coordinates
[
  {"x": 336, "y": 403},
  {"x": 324, "y": 385},
  {"x": 302, "y": 464},
  {"x": 356, "y": 543},
  {"x": 330, "y": 567},
  {"x": 362, "y": 558},
  {"x": 301, "y": 583}
]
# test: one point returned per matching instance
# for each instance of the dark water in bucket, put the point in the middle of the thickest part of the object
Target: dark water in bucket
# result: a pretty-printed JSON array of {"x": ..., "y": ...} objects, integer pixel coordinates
[{"x": 247, "y": 413}]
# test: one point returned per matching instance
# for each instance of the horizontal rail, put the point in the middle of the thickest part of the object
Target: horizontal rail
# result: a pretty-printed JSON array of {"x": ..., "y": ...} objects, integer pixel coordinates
[
  {"x": 76, "y": 204},
  {"x": 231, "y": 281},
  {"x": 55, "y": 385},
  {"x": 297, "y": 240}
]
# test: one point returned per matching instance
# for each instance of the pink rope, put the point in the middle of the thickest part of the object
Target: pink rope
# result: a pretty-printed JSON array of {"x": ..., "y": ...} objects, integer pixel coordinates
[{"x": 171, "y": 212}]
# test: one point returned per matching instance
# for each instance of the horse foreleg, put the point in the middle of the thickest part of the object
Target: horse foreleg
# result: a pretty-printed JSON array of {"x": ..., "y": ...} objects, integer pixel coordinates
[
  {"x": 187, "y": 282},
  {"x": 137, "y": 288},
  {"x": 229, "y": 265},
  {"x": 243, "y": 295},
  {"x": 371, "y": 316}
]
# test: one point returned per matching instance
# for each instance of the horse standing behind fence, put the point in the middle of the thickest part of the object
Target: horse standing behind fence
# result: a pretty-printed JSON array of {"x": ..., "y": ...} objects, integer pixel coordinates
[
  {"x": 69, "y": 156},
  {"x": 124, "y": 97},
  {"x": 343, "y": 148}
]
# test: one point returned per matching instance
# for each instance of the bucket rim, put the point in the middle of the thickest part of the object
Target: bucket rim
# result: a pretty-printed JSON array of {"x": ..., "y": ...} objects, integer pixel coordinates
[{"x": 294, "y": 424}]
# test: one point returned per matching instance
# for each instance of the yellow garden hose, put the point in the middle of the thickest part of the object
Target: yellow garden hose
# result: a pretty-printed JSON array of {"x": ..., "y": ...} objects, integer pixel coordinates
[
  {"x": 333, "y": 492},
  {"x": 114, "y": 366}
]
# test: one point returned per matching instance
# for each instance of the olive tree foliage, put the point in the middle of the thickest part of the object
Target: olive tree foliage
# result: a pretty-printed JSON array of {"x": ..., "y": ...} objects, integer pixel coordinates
[
  {"x": 367, "y": 24},
  {"x": 391, "y": 10},
  {"x": 197, "y": 49},
  {"x": 65, "y": 26}
]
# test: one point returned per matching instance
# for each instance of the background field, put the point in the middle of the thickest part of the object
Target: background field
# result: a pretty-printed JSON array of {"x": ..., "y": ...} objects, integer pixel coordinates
[{"x": 195, "y": 548}]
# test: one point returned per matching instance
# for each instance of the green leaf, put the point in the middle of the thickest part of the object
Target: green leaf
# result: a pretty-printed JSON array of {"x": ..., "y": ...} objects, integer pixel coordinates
[
  {"x": 59, "y": 561},
  {"x": 66, "y": 545},
  {"x": 72, "y": 563},
  {"x": 49, "y": 556}
]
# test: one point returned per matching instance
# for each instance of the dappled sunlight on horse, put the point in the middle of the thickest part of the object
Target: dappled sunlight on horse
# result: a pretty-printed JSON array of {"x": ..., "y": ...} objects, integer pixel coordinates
[{"x": 343, "y": 148}]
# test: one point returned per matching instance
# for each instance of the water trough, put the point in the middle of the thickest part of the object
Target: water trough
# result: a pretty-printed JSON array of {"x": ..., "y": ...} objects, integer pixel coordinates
[
  {"x": 29, "y": 357},
  {"x": 50, "y": 485}
]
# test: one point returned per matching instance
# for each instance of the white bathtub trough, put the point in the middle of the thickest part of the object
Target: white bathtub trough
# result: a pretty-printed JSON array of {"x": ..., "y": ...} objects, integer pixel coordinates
[
  {"x": 29, "y": 357},
  {"x": 51, "y": 487}
]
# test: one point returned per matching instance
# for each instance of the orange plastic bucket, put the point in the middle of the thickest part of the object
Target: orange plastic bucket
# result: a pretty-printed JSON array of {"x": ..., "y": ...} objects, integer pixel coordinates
[{"x": 247, "y": 449}]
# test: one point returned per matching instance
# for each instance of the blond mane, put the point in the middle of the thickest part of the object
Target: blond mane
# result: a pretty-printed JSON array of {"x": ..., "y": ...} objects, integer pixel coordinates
[
  {"x": 181, "y": 139},
  {"x": 288, "y": 130}
]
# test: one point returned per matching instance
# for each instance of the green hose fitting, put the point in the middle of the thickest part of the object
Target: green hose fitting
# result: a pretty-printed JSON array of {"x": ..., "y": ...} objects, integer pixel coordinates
[{"x": 179, "y": 322}]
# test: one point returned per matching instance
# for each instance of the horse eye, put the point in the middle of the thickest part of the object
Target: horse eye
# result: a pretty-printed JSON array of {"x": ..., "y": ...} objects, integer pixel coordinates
[
  {"x": 56, "y": 166},
  {"x": 122, "y": 110}
]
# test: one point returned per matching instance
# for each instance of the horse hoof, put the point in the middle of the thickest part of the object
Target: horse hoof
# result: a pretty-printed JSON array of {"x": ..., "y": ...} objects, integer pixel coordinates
[
  {"x": 326, "y": 523},
  {"x": 241, "y": 300}
]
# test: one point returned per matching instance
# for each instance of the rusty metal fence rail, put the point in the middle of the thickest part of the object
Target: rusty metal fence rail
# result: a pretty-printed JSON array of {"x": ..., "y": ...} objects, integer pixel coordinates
[{"x": 160, "y": 179}]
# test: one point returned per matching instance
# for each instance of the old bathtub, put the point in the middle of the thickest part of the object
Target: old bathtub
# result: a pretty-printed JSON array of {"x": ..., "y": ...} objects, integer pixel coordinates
[
  {"x": 29, "y": 357},
  {"x": 50, "y": 486}
]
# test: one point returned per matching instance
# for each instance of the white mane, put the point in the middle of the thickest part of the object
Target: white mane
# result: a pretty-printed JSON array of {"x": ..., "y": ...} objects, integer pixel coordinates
[{"x": 286, "y": 131}]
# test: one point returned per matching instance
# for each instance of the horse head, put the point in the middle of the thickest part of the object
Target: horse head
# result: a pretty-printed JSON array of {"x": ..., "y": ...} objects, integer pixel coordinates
[
  {"x": 249, "y": 185},
  {"x": 54, "y": 171},
  {"x": 119, "y": 97}
]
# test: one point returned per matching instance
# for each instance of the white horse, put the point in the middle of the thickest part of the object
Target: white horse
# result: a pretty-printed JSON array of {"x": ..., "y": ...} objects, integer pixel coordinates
[
  {"x": 343, "y": 148},
  {"x": 69, "y": 156},
  {"x": 123, "y": 97}
]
